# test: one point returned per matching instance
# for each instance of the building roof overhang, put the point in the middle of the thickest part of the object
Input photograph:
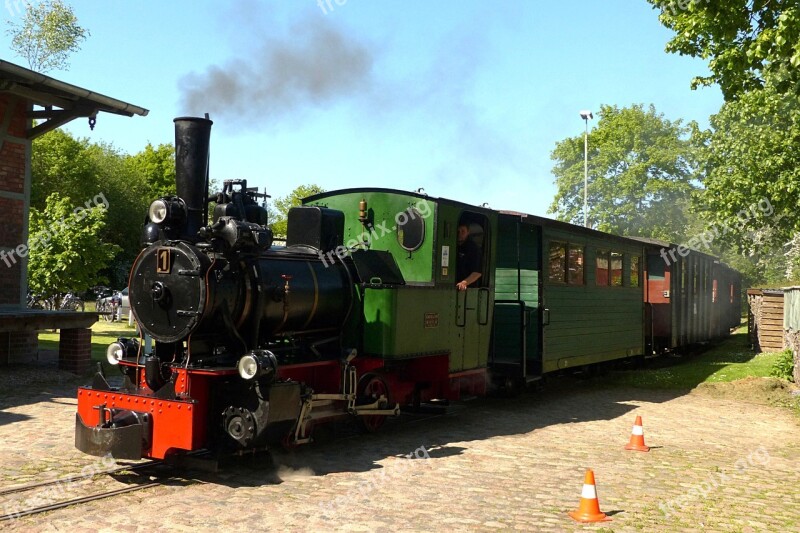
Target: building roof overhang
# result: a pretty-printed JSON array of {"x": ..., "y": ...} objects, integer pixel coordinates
[{"x": 60, "y": 102}]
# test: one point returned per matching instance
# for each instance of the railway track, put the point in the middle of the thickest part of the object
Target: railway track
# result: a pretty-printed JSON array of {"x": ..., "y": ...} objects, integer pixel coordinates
[
  {"x": 66, "y": 503},
  {"x": 30, "y": 505}
]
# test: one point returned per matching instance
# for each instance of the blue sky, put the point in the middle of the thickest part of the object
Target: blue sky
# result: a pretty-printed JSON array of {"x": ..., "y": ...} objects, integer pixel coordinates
[{"x": 464, "y": 98}]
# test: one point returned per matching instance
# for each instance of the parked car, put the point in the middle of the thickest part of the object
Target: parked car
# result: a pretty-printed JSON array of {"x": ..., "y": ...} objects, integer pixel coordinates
[{"x": 114, "y": 306}]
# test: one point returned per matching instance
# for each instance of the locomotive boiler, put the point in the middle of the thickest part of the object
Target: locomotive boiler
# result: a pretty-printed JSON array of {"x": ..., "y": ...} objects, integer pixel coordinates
[{"x": 240, "y": 330}]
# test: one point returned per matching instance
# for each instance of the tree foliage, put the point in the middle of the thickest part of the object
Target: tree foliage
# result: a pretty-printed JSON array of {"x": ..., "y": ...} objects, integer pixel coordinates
[
  {"x": 129, "y": 195},
  {"x": 157, "y": 166},
  {"x": 46, "y": 35},
  {"x": 60, "y": 162},
  {"x": 748, "y": 43},
  {"x": 80, "y": 170},
  {"x": 752, "y": 185},
  {"x": 280, "y": 210},
  {"x": 65, "y": 251},
  {"x": 641, "y": 172},
  {"x": 753, "y": 52}
]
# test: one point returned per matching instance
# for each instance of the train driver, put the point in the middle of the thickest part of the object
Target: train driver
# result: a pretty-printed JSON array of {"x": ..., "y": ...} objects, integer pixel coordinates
[{"x": 469, "y": 259}]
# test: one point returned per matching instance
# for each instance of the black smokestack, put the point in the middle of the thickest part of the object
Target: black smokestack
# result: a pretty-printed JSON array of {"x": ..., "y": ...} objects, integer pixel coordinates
[{"x": 192, "y": 135}]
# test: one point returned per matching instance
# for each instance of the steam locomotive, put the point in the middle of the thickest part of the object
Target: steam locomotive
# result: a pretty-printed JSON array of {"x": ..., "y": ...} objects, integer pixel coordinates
[{"x": 245, "y": 344}]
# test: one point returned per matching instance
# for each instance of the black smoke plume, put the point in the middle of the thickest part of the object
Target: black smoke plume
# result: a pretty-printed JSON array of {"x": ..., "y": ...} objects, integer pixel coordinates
[{"x": 317, "y": 65}]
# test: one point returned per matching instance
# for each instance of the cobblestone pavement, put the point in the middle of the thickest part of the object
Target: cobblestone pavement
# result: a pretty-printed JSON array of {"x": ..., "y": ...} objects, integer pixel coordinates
[{"x": 489, "y": 464}]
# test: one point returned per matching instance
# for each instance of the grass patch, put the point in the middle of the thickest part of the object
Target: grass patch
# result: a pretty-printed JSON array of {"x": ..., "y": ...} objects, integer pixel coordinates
[
  {"x": 103, "y": 334},
  {"x": 730, "y": 360}
]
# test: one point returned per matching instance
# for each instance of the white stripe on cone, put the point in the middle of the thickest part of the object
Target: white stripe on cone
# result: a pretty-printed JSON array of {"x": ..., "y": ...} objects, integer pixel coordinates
[
  {"x": 637, "y": 430},
  {"x": 589, "y": 492}
]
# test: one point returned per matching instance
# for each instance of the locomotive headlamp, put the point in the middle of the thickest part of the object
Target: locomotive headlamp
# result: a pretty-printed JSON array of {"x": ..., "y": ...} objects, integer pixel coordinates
[
  {"x": 256, "y": 364},
  {"x": 248, "y": 366},
  {"x": 120, "y": 349},
  {"x": 169, "y": 210},
  {"x": 158, "y": 211},
  {"x": 115, "y": 352}
]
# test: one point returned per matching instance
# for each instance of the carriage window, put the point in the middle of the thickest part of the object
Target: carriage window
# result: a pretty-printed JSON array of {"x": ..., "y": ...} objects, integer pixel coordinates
[
  {"x": 635, "y": 271},
  {"x": 557, "y": 272},
  {"x": 575, "y": 266},
  {"x": 616, "y": 269},
  {"x": 410, "y": 229},
  {"x": 601, "y": 270}
]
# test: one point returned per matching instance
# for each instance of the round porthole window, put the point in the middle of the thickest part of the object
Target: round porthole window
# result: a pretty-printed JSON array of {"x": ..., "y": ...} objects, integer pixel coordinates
[{"x": 410, "y": 229}]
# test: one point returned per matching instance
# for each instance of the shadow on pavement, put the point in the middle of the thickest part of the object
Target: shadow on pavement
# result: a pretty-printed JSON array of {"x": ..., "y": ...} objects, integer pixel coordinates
[{"x": 344, "y": 448}]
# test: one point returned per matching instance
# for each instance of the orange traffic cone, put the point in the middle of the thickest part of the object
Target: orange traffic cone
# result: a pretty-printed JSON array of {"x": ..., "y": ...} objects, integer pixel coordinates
[
  {"x": 589, "y": 508},
  {"x": 637, "y": 437}
]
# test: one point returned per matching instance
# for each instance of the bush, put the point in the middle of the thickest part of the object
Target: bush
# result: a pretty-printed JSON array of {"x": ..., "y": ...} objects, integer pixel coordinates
[{"x": 784, "y": 365}]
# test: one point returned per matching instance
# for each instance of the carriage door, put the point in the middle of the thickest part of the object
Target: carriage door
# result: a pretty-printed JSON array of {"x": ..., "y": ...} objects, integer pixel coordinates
[
  {"x": 517, "y": 334},
  {"x": 473, "y": 306}
]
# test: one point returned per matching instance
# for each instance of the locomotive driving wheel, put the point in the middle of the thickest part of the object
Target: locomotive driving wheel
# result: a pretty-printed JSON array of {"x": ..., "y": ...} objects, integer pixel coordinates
[{"x": 371, "y": 387}]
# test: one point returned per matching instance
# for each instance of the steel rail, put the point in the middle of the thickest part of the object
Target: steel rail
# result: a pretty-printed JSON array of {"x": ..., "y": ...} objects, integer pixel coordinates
[
  {"x": 76, "y": 477},
  {"x": 75, "y": 501}
]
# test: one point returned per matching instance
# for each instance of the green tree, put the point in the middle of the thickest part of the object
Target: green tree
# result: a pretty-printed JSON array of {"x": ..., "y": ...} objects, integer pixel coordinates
[
  {"x": 129, "y": 195},
  {"x": 60, "y": 162},
  {"x": 65, "y": 251},
  {"x": 80, "y": 170},
  {"x": 747, "y": 43},
  {"x": 46, "y": 35},
  {"x": 278, "y": 214},
  {"x": 157, "y": 166},
  {"x": 753, "y": 53},
  {"x": 752, "y": 184},
  {"x": 642, "y": 169}
]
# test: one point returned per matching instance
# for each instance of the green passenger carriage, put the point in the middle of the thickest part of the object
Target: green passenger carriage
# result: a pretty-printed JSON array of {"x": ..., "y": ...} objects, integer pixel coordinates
[{"x": 552, "y": 296}]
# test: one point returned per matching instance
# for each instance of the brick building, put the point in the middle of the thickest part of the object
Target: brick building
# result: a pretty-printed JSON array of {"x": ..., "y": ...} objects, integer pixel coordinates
[{"x": 26, "y": 96}]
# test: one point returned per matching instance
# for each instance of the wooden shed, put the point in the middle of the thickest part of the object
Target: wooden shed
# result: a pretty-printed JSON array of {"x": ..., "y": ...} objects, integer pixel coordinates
[{"x": 765, "y": 319}]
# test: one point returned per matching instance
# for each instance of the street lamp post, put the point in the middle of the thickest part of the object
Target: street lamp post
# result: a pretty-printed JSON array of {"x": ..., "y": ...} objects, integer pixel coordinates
[{"x": 586, "y": 115}]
